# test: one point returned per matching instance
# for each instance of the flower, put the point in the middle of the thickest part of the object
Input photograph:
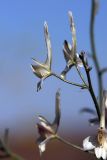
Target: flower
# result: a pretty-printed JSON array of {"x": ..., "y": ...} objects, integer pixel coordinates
[
  {"x": 43, "y": 70},
  {"x": 98, "y": 142},
  {"x": 70, "y": 54},
  {"x": 46, "y": 129}
]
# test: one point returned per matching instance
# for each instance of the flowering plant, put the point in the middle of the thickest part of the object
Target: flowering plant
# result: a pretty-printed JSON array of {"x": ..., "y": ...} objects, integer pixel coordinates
[
  {"x": 48, "y": 130},
  {"x": 95, "y": 144}
]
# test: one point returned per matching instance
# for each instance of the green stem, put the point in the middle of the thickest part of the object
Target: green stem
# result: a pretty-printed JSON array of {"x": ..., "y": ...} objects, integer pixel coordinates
[
  {"x": 66, "y": 81},
  {"x": 81, "y": 76},
  {"x": 92, "y": 41},
  {"x": 71, "y": 144}
]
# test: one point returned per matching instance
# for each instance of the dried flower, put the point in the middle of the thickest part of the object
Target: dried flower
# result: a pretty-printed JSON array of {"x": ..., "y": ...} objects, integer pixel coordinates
[
  {"x": 98, "y": 142},
  {"x": 43, "y": 70},
  {"x": 70, "y": 54},
  {"x": 46, "y": 129}
]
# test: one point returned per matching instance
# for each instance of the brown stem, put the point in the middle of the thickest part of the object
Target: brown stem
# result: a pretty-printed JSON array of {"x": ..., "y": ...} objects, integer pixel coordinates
[{"x": 90, "y": 88}]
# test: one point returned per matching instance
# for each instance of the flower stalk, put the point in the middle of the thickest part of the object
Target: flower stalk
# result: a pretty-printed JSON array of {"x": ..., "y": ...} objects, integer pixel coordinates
[{"x": 90, "y": 88}]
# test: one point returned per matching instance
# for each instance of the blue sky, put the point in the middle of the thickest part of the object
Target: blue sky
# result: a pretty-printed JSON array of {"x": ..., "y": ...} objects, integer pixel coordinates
[{"x": 22, "y": 37}]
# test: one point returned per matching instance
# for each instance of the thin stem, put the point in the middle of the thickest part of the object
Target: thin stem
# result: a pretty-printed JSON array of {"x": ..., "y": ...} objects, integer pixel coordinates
[
  {"x": 92, "y": 41},
  {"x": 71, "y": 144},
  {"x": 66, "y": 81},
  {"x": 82, "y": 78},
  {"x": 87, "y": 70}
]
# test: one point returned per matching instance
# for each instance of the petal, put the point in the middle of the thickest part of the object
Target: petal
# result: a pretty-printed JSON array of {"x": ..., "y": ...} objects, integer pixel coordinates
[
  {"x": 42, "y": 143},
  {"x": 44, "y": 130},
  {"x": 67, "y": 47},
  {"x": 104, "y": 153},
  {"x": 39, "y": 85},
  {"x": 78, "y": 61},
  {"x": 57, "y": 112},
  {"x": 39, "y": 71},
  {"x": 43, "y": 119},
  {"x": 42, "y": 147},
  {"x": 48, "y": 61},
  {"x": 37, "y": 62},
  {"x": 98, "y": 152},
  {"x": 87, "y": 144},
  {"x": 47, "y": 127},
  {"x": 73, "y": 31},
  {"x": 64, "y": 72}
]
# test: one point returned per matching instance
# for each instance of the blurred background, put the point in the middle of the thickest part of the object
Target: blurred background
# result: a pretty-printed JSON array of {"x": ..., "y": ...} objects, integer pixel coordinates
[{"x": 21, "y": 38}]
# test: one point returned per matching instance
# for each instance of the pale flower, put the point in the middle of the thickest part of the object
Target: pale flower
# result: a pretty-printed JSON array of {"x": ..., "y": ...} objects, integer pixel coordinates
[
  {"x": 70, "y": 54},
  {"x": 43, "y": 70},
  {"x": 98, "y": 143},
  {"x": 46, "y": 129}
]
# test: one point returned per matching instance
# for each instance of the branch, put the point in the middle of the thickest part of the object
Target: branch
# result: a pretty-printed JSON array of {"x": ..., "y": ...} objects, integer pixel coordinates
[
  {"x": 81, "y": 76},
  {"x": 71, "y": 144},
  {"x": 69, "y": 82},
  {"x": 90, "y": 88}
]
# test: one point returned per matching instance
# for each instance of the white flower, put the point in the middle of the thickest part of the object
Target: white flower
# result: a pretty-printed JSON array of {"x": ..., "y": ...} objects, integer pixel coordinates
[
  {"x": 87, "y": 145},
  {"x": 43, "y": 70},
  {"x": 47, "y": 130},
  {"x": 100, "y": 152},
  {"x": 42, "y": 147},
  {"x": 70, "y": 54},
  {"x": 97, "y": 143}
]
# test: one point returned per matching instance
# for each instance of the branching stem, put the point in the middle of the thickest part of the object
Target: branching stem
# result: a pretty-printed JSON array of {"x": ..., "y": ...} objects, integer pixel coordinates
[
  {"x": 90, "y": 88},
  {"x": 69, "y": 82},
  {"x": 71, "y": 144},
  {"x": 81, "y": 76}
]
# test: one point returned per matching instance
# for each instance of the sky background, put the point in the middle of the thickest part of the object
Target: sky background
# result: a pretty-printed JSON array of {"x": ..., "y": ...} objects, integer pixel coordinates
[{"x": 22, "y": 37}]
